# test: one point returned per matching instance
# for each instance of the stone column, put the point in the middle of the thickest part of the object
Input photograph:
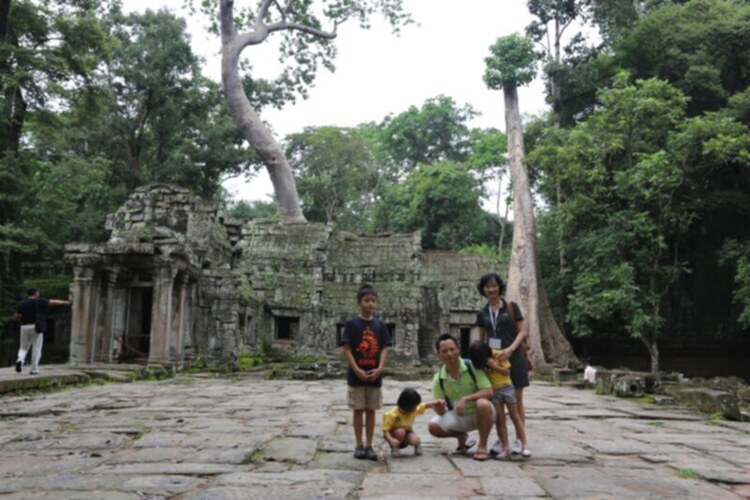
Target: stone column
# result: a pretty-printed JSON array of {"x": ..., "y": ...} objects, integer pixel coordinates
[
  {"x": 83, "y": 296},
  {"x": 161, "y": 315},
  {"x": 176, "y": 349},
  {"x": 110, "y": 317}
]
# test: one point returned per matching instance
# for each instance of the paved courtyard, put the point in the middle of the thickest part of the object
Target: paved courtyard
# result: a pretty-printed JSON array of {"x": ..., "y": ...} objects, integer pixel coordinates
[{"x": 196, "y": 437}]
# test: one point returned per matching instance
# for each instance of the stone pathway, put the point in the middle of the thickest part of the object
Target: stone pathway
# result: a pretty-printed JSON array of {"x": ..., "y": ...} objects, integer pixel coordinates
[{"x": 197, "y": 437}]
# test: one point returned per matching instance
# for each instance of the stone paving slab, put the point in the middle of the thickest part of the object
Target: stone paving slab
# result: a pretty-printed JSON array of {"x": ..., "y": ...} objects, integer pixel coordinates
[{"x": 199, "y": 437}]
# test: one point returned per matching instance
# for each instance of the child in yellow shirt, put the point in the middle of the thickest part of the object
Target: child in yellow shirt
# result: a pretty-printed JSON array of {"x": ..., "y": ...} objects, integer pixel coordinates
[
  {"x": 398, "y": 422},
  {"x": 498, "y": 371}
]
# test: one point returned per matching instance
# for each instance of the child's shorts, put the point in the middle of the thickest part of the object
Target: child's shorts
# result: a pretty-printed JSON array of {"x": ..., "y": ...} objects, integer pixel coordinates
[
  {"x": 365, "y": 397},
  {"x": 504, "y": 394}
]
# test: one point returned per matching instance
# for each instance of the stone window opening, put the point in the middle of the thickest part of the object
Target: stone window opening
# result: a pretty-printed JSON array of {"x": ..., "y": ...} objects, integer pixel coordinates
[{"x": 287, "y": 327}]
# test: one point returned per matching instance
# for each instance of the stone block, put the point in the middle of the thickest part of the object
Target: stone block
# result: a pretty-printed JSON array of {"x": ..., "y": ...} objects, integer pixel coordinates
[
  {"x": 629, "y": 387},
  {"x": 711, "y": 401}
]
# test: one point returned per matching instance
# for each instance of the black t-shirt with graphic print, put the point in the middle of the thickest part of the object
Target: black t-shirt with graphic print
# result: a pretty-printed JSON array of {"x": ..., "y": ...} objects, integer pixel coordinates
[{"x": 367, "y": 339}]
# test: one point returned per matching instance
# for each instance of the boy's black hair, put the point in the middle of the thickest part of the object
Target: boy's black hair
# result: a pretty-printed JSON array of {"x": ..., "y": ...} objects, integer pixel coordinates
[
  {"x": 445, "y": 336},
  {"x": 366, "y": 290},
  {"x": 31, "y": 291},
  {"x": 479, "y": 353},
  {"x": 409, "y": 400},
  {"x": 491, "y": 277}
]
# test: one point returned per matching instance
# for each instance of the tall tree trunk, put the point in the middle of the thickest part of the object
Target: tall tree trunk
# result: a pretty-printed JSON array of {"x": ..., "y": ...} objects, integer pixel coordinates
[
  {"x": 547, "y": 343},
  {"x": 503, "y": 221},
  {"x": 248, "y": 121}
]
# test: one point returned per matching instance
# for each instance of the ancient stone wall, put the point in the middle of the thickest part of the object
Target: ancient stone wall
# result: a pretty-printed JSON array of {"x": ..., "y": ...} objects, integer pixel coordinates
[{"x": 220, "y": 287}]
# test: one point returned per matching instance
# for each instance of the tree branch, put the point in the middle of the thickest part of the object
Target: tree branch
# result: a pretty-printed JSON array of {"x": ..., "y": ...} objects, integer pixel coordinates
[{"x": 328, "y": 35}]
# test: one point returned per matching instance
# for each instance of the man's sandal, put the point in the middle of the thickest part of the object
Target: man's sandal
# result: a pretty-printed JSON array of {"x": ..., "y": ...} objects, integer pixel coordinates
[{"x": 463, "y": 450}]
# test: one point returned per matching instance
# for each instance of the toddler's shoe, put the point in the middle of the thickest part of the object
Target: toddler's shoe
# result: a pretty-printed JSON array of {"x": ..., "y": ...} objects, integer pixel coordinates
[
  {"x": 504, "y": 454},
  {"x": 496, "y": 448},
  {"x": 396, "y": 453}
]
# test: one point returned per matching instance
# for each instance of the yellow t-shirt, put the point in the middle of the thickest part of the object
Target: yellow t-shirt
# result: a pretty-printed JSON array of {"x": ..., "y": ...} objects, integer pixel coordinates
[
  {"x": 397, "y": 419},
  {"x": 497, "y": 379}
]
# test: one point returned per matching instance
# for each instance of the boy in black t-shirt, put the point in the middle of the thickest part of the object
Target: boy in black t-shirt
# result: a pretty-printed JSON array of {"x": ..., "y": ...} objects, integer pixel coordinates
[{"x": 365, "y": 343}]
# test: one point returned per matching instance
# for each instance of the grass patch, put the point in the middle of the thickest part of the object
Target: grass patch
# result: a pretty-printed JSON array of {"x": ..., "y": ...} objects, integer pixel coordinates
[
  {"x": 255, "y": 457},
  {"x": 687, "y": 474}
]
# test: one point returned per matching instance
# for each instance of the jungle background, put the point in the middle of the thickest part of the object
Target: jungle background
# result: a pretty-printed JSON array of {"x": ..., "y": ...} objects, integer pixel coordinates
[{"x": 640, "y": 169}]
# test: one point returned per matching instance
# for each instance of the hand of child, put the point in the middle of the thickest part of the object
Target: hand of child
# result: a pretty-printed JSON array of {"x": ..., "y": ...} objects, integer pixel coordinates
[
  {"x": 439, "y": 407},
  {"x": 361, "y": 374},
  {"x": 374, "y": 374}
]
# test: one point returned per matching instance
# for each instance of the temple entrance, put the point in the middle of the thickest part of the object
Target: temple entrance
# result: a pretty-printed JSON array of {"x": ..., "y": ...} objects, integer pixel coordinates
[
  {"x": 287, "y": 328},
  {"x": 464, "y": 340},
  {"x": 137, "y": 338}
]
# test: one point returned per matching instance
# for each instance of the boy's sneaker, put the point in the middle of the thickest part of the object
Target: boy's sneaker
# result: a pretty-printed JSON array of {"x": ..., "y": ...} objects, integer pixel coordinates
[
  {"x": 504, "y": 454},
  {"x": 396, "y": 453},
  {"x": 19, "y": 366},
  {"x": 370, "y": 453},
  {"x": 418, "y": 450},
  {"x": 517, "y": 447},
  {"x": 359, "y": 453},
  {"x": 496, "y": 448}
]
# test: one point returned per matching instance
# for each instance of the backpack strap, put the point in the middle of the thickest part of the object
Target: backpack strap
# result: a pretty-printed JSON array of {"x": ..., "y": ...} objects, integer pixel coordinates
[{"x": 467, "y": 362}]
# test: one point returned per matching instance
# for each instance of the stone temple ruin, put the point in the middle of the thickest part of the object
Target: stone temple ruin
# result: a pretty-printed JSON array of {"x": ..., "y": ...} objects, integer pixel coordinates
[{"x": 179, "y": 279}]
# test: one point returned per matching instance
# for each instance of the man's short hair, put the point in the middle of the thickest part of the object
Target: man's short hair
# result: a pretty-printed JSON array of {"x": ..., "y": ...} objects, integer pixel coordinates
[
  {"x": 445, "y": 336},
  {"x": 31, "y": 291},
  {"x": 366, "y": 290}
]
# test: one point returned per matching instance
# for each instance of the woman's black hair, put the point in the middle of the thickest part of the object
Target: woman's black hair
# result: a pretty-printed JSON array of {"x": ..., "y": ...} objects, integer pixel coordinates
[
  {"x": 479, "y": 353},
  {"x": 409, "y": 400},
  {"x": 491, "y": 277}
]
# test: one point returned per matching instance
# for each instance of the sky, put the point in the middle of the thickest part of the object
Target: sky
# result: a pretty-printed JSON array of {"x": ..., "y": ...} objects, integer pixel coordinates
[{"x": 378, "y": 73}]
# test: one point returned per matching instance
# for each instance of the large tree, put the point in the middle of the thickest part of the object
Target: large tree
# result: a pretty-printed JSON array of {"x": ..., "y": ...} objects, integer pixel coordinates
[
  {"x": 307, "y": 43},
  {"x": 512, "y": 62}
]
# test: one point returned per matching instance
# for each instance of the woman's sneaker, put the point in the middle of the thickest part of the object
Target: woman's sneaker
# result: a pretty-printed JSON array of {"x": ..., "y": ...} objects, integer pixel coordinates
[
  {"x": 525, "y": 453},
  {"x": 517, "y": 447}
]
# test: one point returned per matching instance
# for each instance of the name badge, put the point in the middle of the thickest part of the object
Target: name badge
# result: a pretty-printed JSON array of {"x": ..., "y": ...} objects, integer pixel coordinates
[{"x": 496, "y": 343}]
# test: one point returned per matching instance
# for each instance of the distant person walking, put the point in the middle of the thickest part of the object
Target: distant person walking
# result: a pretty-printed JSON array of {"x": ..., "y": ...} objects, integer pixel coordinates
[
  {"x": 499, "y": 331},
  {"x": 32, "y": 312}
]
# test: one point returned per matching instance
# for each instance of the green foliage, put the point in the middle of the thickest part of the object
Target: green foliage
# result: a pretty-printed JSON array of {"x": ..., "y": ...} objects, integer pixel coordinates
[
  {"x": 336, "y": 174},
  {"x": 512, "y": 62},
  {"x": 441, "y": 200},
  {"x": 501, "y": 256},
  {"x": 700, "y": 46},
  {"x": 247, "y": 211},
  {"x": 619, "y": 213},
  {"x": 435, "y": 132}
]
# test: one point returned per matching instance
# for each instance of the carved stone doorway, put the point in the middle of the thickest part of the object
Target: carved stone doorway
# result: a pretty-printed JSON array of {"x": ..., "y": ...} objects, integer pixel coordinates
[{"x": 136, "y": 340}]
